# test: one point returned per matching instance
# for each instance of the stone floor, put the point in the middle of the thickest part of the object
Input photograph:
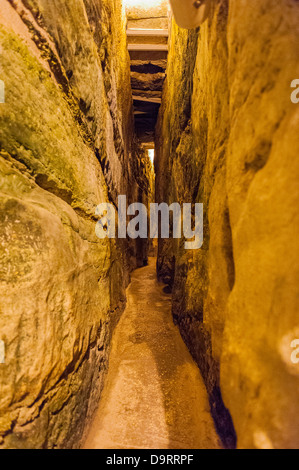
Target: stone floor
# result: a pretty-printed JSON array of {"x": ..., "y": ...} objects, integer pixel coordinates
[{"x": 154, "y": 395}]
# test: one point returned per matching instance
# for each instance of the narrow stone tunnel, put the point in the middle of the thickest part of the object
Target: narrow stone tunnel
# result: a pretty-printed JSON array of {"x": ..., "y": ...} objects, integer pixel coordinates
[{"x": 116, "y": 336}]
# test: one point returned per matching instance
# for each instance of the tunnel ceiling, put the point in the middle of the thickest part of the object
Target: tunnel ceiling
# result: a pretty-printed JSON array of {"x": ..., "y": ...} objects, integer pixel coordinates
[{"x": 147, "y": 32}]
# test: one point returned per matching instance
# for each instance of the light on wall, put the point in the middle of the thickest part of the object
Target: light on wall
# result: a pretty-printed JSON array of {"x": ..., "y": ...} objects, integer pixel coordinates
[
  {"x": 142, "y": 3},
  {"x": 187, "y": 13},
  {"x": 151, "y": 154}
]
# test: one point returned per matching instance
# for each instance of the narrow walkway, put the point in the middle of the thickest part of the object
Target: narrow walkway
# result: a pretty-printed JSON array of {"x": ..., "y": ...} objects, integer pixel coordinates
[{"x": 154, "y": 396}]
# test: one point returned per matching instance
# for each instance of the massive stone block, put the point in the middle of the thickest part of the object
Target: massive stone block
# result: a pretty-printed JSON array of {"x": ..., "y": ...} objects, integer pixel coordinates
[
  {"x": 66, "y": 133},
  {"x": 227, "y": 137}
]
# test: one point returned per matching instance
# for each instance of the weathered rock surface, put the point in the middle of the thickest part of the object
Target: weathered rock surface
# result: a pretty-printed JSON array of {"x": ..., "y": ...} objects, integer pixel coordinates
[
  {"x": 147, "y": 81},
  {"x": 153, "y": 66},
  {"x": 66, "y": 133},
  {"x": 228, "y": 137}
]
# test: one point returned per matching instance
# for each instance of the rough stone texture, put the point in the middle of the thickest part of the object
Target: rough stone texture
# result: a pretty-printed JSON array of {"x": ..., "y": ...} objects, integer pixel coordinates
[
  {"x": 153, "y": 66},
  {"x": 228, "y": 137},
  {"x": 66, "y": 144},
  {"x": 147, "y": 81}
]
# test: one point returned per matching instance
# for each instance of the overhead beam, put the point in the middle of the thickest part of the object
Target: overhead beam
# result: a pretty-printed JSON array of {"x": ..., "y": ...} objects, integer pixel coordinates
[
  {"x": 146, "y": 55},
  {"x": 146, "y": 93},
  {"x": 148, "y": 145},
  {"x": 148, "y": 32},
  {"x": 148, "y": 100},
  {"x": 145, "y": 114},
  {"x": 148, "y": 47}
]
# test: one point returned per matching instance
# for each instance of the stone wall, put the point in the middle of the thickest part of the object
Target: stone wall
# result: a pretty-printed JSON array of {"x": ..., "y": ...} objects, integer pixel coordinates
[
  {"x": 66, "y": 145},
  {"x": 228, "y": 136}
]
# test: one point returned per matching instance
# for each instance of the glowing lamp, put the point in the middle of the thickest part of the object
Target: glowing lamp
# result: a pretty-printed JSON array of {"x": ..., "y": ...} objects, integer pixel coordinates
[{"x": 190, "y": 13}]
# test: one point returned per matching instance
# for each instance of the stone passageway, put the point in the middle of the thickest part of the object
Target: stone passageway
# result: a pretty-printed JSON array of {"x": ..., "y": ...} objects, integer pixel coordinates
[
  {"x": 103, "y": 101},
  {"x": 154, "y": 396}
]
